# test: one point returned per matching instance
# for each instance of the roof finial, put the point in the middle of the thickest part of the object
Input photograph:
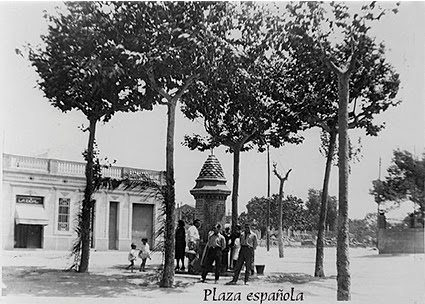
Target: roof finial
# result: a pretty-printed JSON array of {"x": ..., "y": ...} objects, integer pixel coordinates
[{"x": 212, "y": 151}]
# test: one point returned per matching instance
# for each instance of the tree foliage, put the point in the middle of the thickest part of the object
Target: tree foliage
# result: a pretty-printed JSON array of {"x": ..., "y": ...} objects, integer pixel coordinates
[
  {"x": 313, "y": 209},
  {"x": 233, "y": 98},
  {"x": 364, "y": 231},
  {"x": 405, "y": 181},
  {"x": 81, "y": 68},
  {"x": 294, "y": 213},
  {"x": 165, "y": 40},
  {"x": 313, "y": 31}
]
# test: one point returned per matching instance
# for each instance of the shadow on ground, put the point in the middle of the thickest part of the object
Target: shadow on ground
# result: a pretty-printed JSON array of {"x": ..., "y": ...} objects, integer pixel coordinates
[
  {"x": 293, "y": 278},
  {"x": 48, "y": 282}
]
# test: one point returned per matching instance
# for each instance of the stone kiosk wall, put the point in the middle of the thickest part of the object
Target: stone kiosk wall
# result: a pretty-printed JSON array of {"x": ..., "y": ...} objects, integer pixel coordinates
[{"x": 401, "y": 240}]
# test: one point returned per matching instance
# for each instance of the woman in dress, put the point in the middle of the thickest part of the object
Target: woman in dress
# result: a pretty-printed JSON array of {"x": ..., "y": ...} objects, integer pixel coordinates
[{"x": 180, "y": 245}]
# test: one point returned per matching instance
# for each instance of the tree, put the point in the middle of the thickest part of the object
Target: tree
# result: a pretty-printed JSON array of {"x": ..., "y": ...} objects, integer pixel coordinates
[
  {"x": 312, "y": 33},
  {"x": 234, "y": 98},
  {"x": 256, "y": 211},
  {"x": 167, "y": 41},
  {"x": 364, "y": 231},
  {"x": 282, "y": 180},
  {"x": 370, "y": 93},
  {"x": 313, "y": 205},
  {"x": 81, "y": 68},
  {"x": 405, "y": 181},
  {"x": 294, "y": 213}
]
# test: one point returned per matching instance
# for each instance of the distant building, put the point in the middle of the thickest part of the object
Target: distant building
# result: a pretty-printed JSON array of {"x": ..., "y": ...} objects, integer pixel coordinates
[
  {"x": 42, "y": 197},
  {"x": 186, "y": 213}
]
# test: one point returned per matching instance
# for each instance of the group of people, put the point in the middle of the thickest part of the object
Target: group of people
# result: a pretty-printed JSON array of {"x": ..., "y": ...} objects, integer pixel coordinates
[
  {"x": 143, "y": 253},
  {"x": 243, "y": 245},
  {"x": 224, "y": 249},
  {"x": 187, "y": 244}
]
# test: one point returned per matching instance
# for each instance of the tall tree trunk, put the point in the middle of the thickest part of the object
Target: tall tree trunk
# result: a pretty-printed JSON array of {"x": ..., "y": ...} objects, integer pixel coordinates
[
  {"x": 169, "y": 231},
  {"x": 343, "y": 261},
  {"x": 168, "y": 274},
  {"x": 235, "y": 187},
  {"x": 319, "y": 270},
  {"x": 279, "y": 212},
  {"x": 87, "y": 201},
  {"x": 279, "y": 222},
  {"x": 342, "y": 249}
]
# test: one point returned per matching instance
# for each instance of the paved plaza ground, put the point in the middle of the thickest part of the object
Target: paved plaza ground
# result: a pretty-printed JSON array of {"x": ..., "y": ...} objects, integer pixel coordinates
[{"x": 37, "y": 276}]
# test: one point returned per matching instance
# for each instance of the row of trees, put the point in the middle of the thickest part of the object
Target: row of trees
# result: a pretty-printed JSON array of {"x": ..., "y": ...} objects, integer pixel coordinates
[
  {"x": 296, "y": 213},
  {"x": 256, "y": 74},
  {"x": 300, "y": 215},
  {"x": 405, "y": 181}
]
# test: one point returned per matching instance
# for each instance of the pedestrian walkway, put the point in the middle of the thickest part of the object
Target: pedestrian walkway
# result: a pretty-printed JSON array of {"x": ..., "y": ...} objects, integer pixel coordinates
[{"x": 42, "y": 276}]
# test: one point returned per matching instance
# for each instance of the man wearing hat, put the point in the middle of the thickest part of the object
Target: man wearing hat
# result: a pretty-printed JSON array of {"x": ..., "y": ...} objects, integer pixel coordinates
[{"x": 249, "y": 243}]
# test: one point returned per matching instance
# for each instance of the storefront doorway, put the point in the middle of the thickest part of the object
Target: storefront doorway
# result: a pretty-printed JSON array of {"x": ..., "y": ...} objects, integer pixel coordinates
[
  {"x": 28, "y": 236},
  {"x": 142, "y": 224},
  {"x": 30, "y": 218},
  {"x": 113, "y": 225}
]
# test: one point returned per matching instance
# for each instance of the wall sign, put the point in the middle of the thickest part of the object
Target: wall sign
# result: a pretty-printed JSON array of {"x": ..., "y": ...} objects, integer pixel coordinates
[{"x": 27, "y": 199}]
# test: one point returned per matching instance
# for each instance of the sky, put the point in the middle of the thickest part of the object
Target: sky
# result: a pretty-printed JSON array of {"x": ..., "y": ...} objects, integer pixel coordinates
[{"x": 32, "y": 127}]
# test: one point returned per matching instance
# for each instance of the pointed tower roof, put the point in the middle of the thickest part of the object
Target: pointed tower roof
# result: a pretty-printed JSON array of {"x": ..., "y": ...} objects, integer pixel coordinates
[
  {"x": 211, "y": 170},
  {"x": 211, "y": 179}
]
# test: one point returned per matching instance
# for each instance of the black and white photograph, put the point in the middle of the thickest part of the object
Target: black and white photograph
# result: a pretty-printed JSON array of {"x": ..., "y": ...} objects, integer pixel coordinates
[{"x": 248, "y": 152}]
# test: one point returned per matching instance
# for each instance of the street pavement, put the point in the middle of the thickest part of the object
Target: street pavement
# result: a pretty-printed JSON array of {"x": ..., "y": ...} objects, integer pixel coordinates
[{"x": 37, "y": 276}]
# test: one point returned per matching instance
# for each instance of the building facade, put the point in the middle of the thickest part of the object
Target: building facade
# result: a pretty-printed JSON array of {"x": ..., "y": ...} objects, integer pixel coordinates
[{"x": 42, "y": 199}]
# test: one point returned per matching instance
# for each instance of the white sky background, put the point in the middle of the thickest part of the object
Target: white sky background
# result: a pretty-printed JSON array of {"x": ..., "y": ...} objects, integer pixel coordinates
[{"x": 32, "y": 127}]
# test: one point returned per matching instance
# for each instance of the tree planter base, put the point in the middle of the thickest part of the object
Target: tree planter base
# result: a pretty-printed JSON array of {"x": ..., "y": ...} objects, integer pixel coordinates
[{"x": 260, "y": 269}]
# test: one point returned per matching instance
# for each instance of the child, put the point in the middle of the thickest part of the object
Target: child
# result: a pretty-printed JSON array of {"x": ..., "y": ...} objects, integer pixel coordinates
[
  {"x": 144, "y": 253},
  {"x": 132, "y": 256}
]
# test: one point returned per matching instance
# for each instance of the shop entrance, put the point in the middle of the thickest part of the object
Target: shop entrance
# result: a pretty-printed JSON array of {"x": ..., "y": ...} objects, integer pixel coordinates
[
  {"x": 142, "y": 224},
  {"x": 28, "y": 236},
  {"x": 113, "y": 225}
]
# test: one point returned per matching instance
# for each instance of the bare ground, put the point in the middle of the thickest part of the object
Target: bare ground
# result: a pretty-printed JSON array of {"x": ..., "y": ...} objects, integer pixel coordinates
[{"x": 36, "y": 276}]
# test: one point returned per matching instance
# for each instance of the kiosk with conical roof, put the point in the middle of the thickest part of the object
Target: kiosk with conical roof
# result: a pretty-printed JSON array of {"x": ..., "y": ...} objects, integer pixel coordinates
[{"x": 210, "y": 193}]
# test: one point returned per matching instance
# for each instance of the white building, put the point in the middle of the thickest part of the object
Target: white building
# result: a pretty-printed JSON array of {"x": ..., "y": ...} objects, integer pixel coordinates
[{"x": 42, "y": 197}]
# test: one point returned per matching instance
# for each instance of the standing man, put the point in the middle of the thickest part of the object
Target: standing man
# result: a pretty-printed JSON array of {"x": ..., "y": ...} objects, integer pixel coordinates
[
  {"x": 215, "y": 245},
  {"x": 249, "y": 243},
  {"x": 225, "y": 260},
  {"x": 193, "y": 240}
]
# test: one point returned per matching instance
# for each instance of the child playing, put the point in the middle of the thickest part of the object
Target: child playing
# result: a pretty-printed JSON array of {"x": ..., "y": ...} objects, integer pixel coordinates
[
  {"x": 144, "y": 253},
  {"x": 132, "y": 256}
]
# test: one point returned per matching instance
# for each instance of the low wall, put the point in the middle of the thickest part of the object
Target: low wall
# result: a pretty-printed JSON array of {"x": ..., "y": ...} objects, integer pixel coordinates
[{"x": 401, "y": 240}]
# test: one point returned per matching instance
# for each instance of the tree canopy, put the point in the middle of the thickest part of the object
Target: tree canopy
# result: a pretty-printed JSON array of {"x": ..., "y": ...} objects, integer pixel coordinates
[
  {"x": 313, "y": 209},
  {"x": 405, "y": 181},
  {"x": 81, "y": 68},
  {"x": 294, "y": 213}
]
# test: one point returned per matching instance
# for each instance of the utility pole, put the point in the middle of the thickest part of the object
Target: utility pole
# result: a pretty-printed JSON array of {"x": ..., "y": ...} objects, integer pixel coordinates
[
  {"x": 268, "y": 200},
  {"x": 378, "y": 202}
]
